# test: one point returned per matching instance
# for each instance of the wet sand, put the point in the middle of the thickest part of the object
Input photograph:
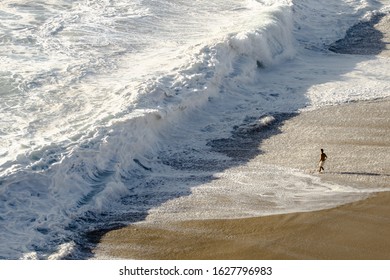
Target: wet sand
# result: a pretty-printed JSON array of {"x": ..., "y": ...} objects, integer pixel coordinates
[
  {"x": 366, "y": 38},
  {"x": 356, "y": 139},
  {"x": 383, "y": 26}
]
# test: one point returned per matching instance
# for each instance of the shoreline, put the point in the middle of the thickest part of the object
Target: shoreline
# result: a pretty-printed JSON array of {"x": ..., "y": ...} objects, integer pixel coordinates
[
  {"x": 356, "y": 139},
  {"x": 333, "y": 234},
  {"x": 356, "y": 230}
]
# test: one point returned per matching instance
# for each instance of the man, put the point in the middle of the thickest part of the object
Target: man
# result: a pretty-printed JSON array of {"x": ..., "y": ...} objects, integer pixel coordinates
[{"x": 323, "y": 157}]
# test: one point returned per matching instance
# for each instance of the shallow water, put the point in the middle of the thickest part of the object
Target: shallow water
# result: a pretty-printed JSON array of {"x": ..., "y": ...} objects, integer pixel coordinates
[{"x": 110, "y": 109}]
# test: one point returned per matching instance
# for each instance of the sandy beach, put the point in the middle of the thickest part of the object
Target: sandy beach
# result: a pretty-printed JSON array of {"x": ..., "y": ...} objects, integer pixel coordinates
[{"x": 356, "y": 139}]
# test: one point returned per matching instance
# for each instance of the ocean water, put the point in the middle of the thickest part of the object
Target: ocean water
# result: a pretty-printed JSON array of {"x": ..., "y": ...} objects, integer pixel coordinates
[{"x": 112, "y": 111}]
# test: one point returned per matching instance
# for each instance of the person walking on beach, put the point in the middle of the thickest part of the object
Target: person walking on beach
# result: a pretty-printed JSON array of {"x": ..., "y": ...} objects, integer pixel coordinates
[{"x": 323, "y": 157}]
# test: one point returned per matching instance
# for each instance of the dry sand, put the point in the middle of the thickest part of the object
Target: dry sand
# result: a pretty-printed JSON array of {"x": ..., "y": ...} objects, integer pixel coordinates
[
  {"x": 357, "y": 140},
  {"x": 356, "y": 137}
]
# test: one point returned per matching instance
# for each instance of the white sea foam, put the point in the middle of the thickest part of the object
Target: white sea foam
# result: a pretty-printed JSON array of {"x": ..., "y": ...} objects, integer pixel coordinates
[
  {"x": 254, "y": 190},
  {"x": 108, "y": 109}
]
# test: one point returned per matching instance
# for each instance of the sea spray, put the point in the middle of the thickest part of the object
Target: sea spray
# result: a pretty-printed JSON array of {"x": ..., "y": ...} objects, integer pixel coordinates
[{"x": 107, "y": 109}]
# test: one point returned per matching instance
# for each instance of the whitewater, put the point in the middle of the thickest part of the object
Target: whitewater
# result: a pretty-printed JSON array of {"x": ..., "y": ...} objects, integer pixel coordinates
[{"x": 112, "y": 112}]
